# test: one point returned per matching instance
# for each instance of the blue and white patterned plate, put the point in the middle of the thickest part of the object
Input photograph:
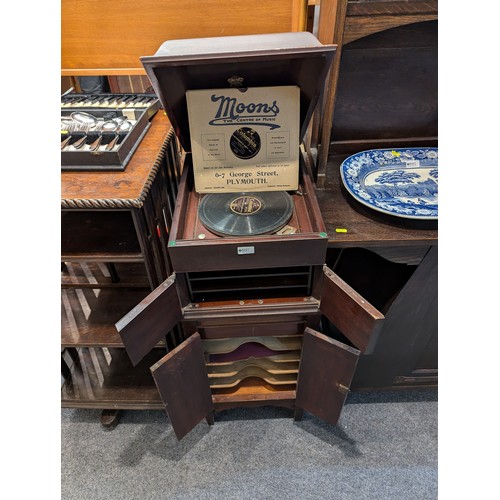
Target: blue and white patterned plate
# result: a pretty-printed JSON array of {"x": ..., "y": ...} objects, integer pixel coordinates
[{"x": 401, "y": 182}]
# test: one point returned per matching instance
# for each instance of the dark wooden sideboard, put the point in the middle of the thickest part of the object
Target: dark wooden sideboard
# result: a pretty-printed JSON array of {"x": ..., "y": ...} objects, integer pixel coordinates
[
  {"x": 382, "y": 92},
  {"x": 393, "y": 263}
]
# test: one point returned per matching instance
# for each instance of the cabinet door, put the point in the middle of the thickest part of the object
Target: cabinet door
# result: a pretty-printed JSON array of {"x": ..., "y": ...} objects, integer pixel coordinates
[
  {"x": 150, "y": 320},
  {"x": 182, "y": 381},
  {"x": 356, "y": 318},
  {"x": 325, "y": 373}
]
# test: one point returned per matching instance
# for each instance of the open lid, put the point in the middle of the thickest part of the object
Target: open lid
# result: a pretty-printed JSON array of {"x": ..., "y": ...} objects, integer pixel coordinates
[{"x": 261, "y": 60}]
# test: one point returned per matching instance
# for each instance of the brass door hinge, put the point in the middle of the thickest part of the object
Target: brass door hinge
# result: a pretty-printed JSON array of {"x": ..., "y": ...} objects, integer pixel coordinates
[{"x": 342, "y": 388}]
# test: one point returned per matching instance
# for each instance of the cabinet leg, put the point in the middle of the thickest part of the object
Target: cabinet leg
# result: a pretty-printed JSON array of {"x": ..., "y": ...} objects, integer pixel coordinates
[
  {"x": 210, "y": 418},
  {"x": 112, "y": 272},
  {"x": 110, "y": 418},
  {"x": 298, "y": 414}
]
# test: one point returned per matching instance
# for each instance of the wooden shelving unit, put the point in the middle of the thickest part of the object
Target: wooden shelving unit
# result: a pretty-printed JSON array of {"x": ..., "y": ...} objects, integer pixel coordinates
[{"x": 114, "y": 236}]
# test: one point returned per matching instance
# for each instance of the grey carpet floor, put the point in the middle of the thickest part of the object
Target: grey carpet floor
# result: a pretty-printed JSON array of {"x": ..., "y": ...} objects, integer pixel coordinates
[{"x": 384, "y": 447}]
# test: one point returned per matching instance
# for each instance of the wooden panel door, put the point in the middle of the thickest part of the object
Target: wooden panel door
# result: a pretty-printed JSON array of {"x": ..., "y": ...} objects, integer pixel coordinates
[
  {"x": 150, "y": 320},
  {"x": 182, "y": 380},
  {"x": 325, "y": 373},
  {"x": 356, "y": 318}
]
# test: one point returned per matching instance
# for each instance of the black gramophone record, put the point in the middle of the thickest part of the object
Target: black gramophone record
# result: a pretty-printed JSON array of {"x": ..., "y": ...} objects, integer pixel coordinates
[
  {"x": 245, "y": 214},
  {"x": 245, "y": 143}
]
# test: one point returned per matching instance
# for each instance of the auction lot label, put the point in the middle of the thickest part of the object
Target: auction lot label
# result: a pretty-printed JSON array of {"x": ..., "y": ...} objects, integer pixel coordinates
[{"x": 245, "y": 140}]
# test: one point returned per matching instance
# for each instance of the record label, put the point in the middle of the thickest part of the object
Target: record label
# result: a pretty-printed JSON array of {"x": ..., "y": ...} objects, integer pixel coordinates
[
  {"x": 245, "y": 214},
  {"x": 245, "y": 205},
  {"x": 245, "y": 143}
]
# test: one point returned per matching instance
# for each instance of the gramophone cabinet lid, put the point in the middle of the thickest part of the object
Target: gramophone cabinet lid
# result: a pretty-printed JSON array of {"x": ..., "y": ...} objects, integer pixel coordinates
[{"x": 261, "y": 60}]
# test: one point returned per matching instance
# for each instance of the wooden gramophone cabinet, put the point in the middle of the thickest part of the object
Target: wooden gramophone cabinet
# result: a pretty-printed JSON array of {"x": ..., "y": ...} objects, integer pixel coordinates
[{"x": 251, "y": 319}]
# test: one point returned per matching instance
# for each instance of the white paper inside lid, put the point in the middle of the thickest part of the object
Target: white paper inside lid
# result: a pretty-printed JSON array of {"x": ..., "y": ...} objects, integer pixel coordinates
[{"x": 245, "y": 141}]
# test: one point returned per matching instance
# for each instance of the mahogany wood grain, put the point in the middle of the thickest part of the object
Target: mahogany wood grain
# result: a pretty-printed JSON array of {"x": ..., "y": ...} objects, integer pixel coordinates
[
  {"x": 225, "y": 312},
  {"x": 325, "y": 374},
  {"x": 253, "y": 370},
  {"x": 219, "y": 346},
  {"x": 221, "y": 255},
  {"x": 150, "y": 320},
  {"x": 95, "y": 326},
  {"x": 254, "y": 390},
  {"x": 259, "y": 398},
  {"x": 182, "y": 380},
  {"x": 108, "y": 38},
  {"x": 129, "y": 185},
  {"x": 357, "y": 319},
  {"x": 97, "y": 256},
  {"x": 275, "y": 326},
  {"x": 189, "y": 253},
  {"x": 277, "y": 365}
]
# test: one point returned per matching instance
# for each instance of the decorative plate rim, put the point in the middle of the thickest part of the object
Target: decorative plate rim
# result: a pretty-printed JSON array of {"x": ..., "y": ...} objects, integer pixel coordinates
[{"x": 373, "y": 207}]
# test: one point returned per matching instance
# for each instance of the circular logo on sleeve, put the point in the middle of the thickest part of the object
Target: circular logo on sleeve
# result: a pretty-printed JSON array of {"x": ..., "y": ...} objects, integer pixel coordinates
[{"x": 245, "y": 143}]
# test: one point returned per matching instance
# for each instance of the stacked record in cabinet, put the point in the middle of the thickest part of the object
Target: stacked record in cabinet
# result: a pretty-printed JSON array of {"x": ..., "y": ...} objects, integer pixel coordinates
[{"x": 247, "y": 241}]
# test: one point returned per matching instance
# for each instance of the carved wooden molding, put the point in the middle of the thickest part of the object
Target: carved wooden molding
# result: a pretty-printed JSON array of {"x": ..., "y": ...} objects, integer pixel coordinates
[{"x": 89, "y": 203}]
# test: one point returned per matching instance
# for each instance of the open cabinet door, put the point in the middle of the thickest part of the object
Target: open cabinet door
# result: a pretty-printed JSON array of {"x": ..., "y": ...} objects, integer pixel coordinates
[
  {"x": 150, "y": 320},
  {"x": 182, "y": 381},
  {"x": 354, "y": 316},
  {"x": 325, "y": 374}
]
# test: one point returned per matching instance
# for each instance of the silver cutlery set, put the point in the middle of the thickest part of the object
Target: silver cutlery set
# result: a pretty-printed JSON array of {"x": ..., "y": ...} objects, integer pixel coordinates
[
  {"x": 92, "y": 128},
  {"x": 101, "y": 132}
]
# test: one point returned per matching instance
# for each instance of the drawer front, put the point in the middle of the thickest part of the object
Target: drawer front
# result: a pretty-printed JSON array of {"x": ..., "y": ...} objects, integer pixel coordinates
[
  {"x": 221, "y": 255},
  {"x": 251, "y": 329}
]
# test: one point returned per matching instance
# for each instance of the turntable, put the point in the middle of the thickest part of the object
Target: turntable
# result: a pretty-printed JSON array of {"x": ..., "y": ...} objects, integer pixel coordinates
[{"x": 212, "y": 230}]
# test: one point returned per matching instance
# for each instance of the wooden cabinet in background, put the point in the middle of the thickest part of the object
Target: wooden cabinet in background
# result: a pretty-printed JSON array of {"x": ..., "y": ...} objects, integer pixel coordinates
[{"x": 382, "y": 88}]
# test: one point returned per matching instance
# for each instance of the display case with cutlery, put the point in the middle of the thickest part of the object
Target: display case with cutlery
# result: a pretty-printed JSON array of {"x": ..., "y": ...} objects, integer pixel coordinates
[{"x": 102, "y": 131}]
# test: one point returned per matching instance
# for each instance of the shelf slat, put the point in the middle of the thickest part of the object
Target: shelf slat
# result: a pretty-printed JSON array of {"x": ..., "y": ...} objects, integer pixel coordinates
[
  {"x": 105, "y": 378},
  {"x": 88, "y": 319},
  {"x": 102, "y": 257}
]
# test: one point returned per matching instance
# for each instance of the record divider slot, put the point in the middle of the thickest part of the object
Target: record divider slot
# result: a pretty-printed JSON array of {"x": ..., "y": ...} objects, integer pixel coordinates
[{"x": 260, "y": 375}]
